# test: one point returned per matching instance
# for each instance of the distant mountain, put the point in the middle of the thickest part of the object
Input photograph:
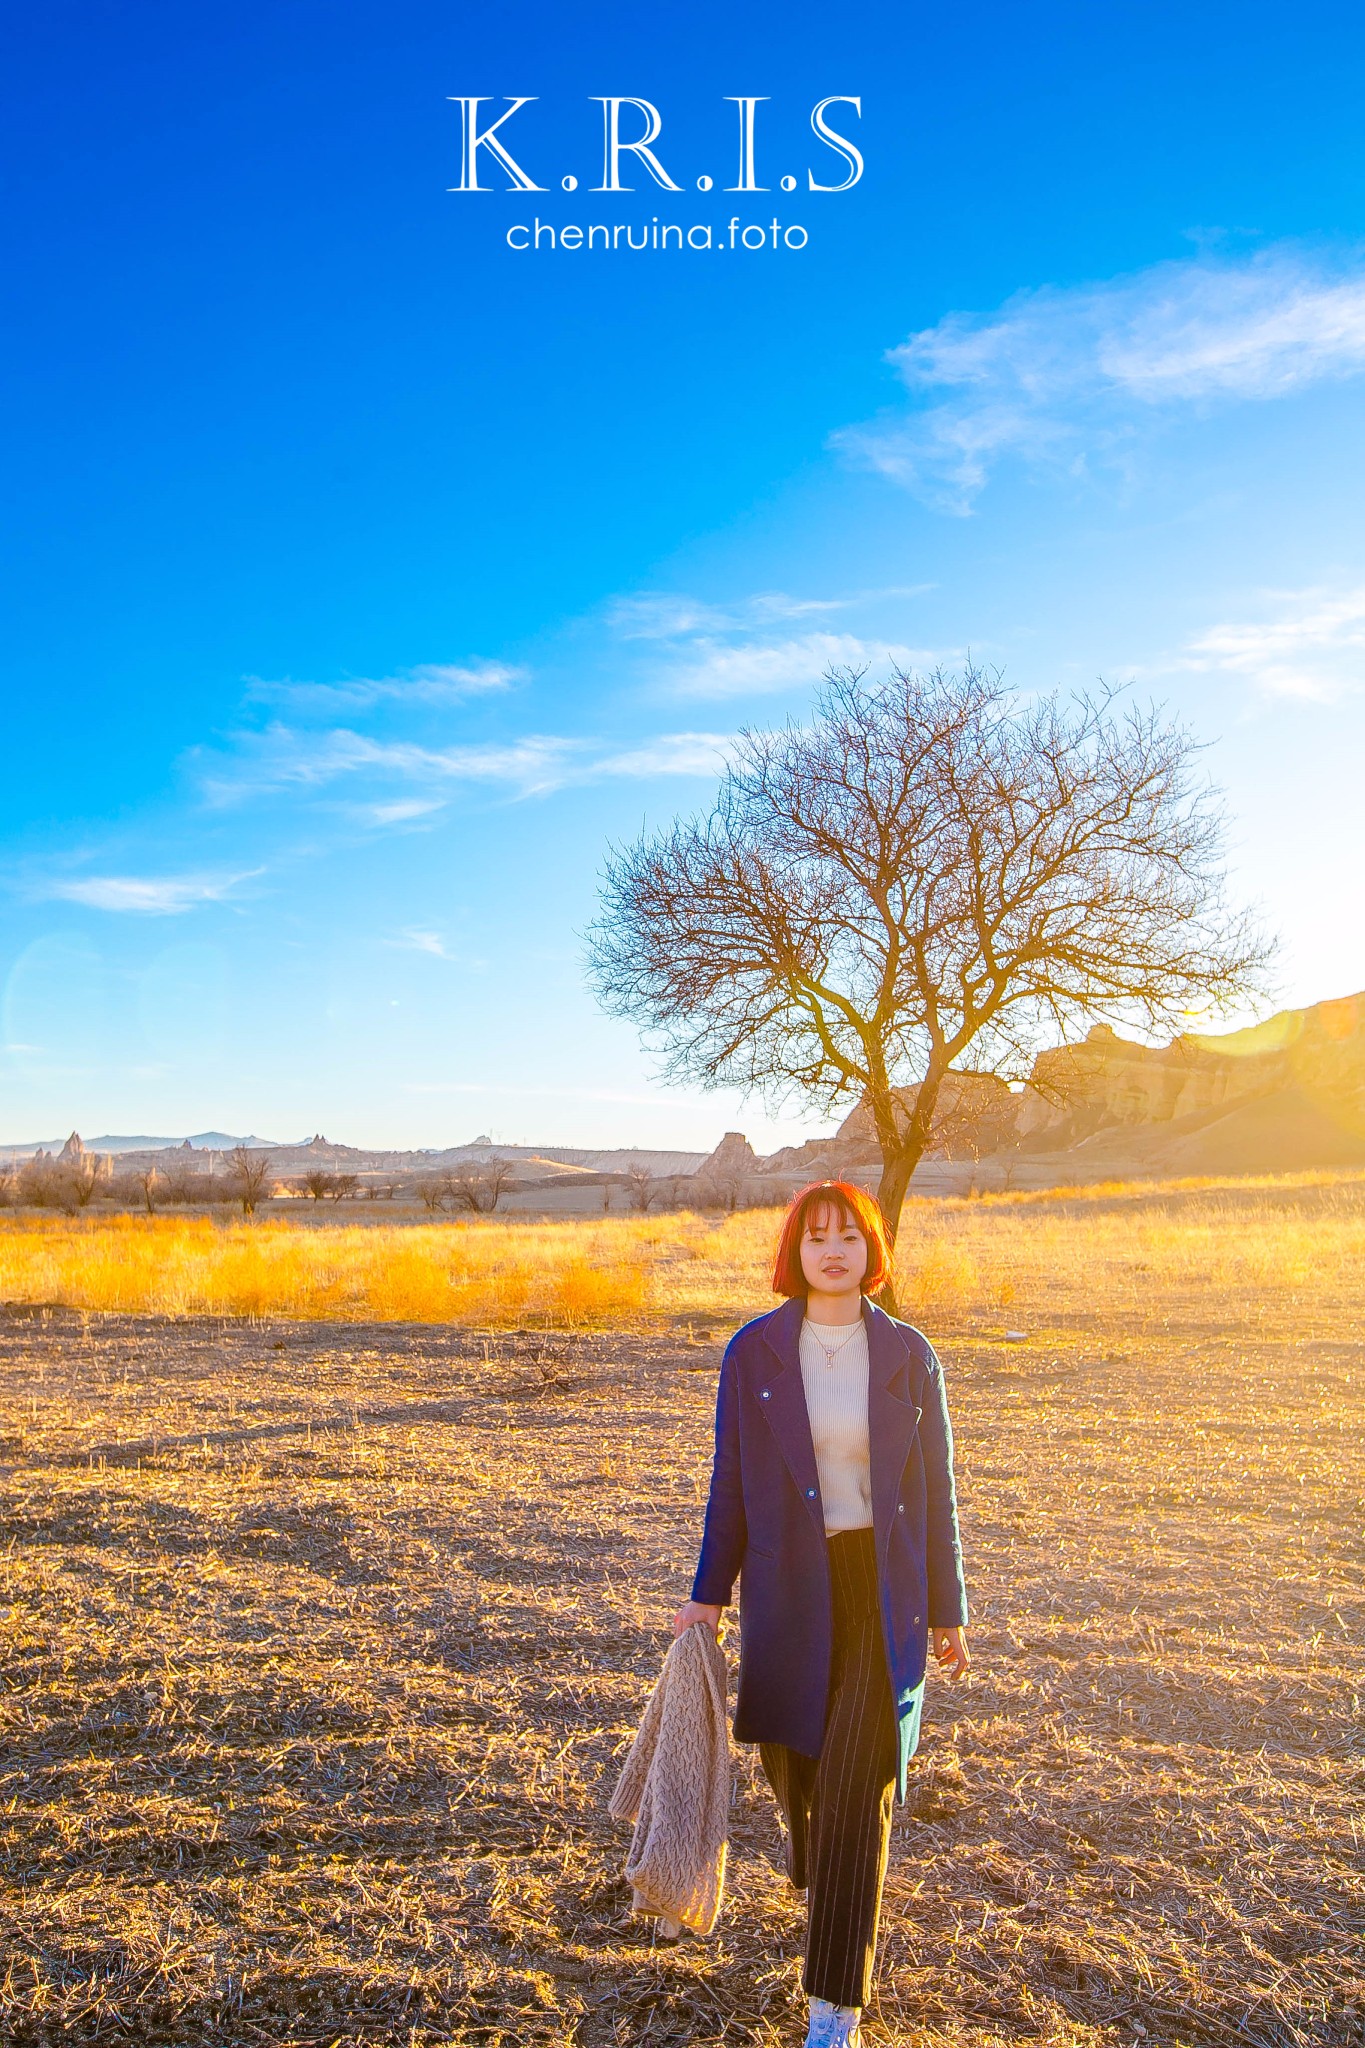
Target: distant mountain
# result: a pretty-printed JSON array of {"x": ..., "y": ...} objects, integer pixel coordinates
[
  {"x": 202, "y": 1141},
  {"x": 295, "y": 1155}
]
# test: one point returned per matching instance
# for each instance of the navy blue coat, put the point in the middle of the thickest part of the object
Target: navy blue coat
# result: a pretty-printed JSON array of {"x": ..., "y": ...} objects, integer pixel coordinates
[{"x": 765, "y": 1524}]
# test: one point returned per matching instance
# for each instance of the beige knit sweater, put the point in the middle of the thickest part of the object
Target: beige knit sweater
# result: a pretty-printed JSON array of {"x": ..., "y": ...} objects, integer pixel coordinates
[
  {"x": 836, "y": 1402},
  {"x": 675, "y": 1786}
]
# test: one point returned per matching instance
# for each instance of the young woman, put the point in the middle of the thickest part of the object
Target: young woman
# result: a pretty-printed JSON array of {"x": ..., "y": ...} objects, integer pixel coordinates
[{"x": 832, "y": 1500}]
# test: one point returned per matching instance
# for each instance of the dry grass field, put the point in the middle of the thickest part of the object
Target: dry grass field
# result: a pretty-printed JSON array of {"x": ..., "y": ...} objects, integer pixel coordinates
[
  {"x": 1293, "y": 1236},
  {"x": 329, "y": 1613}
]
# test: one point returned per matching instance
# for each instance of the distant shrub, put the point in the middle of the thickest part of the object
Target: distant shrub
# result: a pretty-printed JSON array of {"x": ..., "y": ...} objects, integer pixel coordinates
[
  {"x": 479, "y": 1185},
  {"x": 200, "y": 1190},
  {"x": 55, "y": 1184},
  {"x": 250, "y": 1176}
]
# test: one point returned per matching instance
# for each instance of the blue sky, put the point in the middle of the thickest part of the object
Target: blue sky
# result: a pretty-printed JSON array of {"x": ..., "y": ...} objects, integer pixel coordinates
[{"x": 363, "y": 576}]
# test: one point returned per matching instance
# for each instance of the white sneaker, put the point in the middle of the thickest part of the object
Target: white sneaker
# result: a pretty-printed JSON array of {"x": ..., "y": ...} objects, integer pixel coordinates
[{"x": 834, "y": 2026}]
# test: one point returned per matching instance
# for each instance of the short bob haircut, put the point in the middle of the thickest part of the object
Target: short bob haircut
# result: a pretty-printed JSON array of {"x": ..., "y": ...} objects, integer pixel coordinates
[{"x": 850, "y": 1205}]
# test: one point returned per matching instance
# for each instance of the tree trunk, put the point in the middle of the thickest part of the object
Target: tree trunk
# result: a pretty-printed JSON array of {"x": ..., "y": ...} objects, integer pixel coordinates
[
  {"x": 902, "y": 1146},
  {"x": 897, "y": 1168}
]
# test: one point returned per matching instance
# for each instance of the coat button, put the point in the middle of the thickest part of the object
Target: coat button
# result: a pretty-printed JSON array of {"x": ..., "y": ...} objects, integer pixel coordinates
[
  {"x": 810, "y": 1493},
  {"x": 916, "y": 1621},
  {"x": 765, "y": 1395},
  {"x": 901, "y": 1509}
]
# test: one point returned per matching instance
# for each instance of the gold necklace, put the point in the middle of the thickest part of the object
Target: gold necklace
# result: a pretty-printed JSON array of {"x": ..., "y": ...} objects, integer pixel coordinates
[{"x": 832, "y": 1351}]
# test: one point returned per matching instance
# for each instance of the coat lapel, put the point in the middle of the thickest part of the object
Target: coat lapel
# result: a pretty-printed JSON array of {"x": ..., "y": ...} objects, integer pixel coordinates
[
  {"x": 892, "y": 1415},
  {"x": 784, "y": 1400}
]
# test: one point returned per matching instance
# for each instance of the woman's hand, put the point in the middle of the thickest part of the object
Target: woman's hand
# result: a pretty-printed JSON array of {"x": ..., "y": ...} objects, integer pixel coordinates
[
  {"x": 950, "y": 1647},
  {"x": 697, "y": 1610}
]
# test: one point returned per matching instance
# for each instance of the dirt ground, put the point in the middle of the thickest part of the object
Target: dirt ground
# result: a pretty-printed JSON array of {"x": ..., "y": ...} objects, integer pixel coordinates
[{"x": 322, "y": 1647}]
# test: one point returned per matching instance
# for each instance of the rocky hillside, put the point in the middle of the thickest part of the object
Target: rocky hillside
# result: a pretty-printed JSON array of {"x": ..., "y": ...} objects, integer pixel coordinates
[{"x": 1283, "y": 1096}]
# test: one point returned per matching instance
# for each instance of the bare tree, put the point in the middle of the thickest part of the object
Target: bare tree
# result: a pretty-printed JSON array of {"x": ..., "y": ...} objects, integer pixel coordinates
[
  {"x": 183, "y": 1184},
  {"x": 251, "y": 1173},
  {"x": 317, "y": 1182},
  {"x": 148, "y": 1180},
  {"x": 69, "y": 1182},
  {"x": 343, "y": 1186},
  {"x": 642, "y": 1186},
  {"x": 929, "y": 868},
  {"x": 41, "y": 1186},
  {"x": 432, "y": 1189},
  {"x": 1007, "y": 1161},
  {"x": 720, "y": 1187},
  {"x": 478, "y": 1186}
]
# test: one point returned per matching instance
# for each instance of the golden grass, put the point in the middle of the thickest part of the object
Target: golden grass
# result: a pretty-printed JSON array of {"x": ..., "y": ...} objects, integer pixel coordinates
[
  {"x": 1263, "y": 1241},
  {"x": 491, "y": 1275}
]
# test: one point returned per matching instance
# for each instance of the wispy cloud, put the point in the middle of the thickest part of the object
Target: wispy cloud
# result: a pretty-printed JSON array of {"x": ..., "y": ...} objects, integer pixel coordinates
[
  {"x": 1310, "y": 644},
  {"x": 283, "y": 759},
  {"x": 671, "y": 615},
  {"x": 145, "y": 895},
  {"x": 1058, "y": 375},
  {"x": 423, "y": 942},
  {"x": 703, "y": 651},
  {"x": 434, "y": 683},
  {"x": 718, "y": 669},
  {"x": 418, "y": 940},
  {"x": 403, "y": 810},
  {"x": 672, "y": 753}
]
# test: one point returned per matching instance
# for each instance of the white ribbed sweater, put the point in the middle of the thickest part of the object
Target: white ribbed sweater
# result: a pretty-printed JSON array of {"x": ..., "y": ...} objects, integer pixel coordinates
[{"x": 836, "y": 1401}]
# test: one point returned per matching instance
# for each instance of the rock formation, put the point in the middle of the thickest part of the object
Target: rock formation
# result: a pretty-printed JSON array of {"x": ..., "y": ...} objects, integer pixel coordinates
[
  {"x": 725, "y": 1175},
  {"x": 974, "y": 1114},
  {"x": 817, "y": 1159},
  {"x": 1110, "y": 1083},
  {"x": 1280, "y": 1096}
]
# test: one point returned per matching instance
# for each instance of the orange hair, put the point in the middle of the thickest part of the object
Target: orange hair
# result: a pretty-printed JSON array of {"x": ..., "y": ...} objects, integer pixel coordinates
[{"x": 851, "y": 1205}]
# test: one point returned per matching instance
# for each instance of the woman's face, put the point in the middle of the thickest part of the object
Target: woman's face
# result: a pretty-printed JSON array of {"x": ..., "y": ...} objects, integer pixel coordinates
[{"x": 833, "y": 1253}]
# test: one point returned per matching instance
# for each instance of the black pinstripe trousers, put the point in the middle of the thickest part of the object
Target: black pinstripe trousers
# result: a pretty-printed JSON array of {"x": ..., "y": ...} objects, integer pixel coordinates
[{"x": 837, "y": 1809}]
